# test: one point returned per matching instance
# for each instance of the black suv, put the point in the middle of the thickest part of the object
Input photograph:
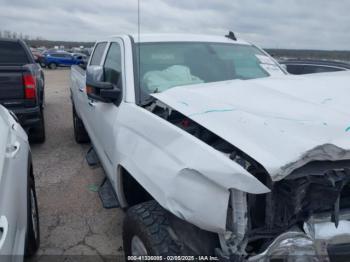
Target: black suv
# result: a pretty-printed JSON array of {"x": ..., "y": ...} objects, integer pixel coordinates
[{"x": 22, "y": 87}]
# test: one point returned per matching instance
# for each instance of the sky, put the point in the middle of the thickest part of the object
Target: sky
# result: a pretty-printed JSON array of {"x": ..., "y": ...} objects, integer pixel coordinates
[{"x": 307, "y": 24}]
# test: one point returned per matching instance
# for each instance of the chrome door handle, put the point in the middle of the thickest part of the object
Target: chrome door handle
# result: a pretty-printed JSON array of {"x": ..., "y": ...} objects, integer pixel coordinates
[
  {"x": 91, "y": 103},
  {"x": 12, "y": 150},
  {"x": 81, "y": 90}
]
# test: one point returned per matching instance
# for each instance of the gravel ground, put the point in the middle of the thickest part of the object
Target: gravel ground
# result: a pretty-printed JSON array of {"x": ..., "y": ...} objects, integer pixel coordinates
[{"x": 72, "y": 220}]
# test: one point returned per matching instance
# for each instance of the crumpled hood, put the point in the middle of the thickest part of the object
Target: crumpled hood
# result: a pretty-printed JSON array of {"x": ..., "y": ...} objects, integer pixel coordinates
[{"x": 283, "y": 123}]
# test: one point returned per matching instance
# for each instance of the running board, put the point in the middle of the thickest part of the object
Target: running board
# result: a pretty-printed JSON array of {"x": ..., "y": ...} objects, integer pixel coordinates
[
  {"x": 92, "y": 158},
  {"x": 107, "y": 195}
]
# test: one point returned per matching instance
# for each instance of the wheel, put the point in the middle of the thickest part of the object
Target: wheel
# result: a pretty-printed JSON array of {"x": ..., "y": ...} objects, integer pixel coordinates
[
  {"x": 33, "y": 231},
  {"x": 37, "y": 134},
  {"x": 80, "y": 134},
  {"x": 146, "y": 232},
  {"x": 52, "y": 66}
]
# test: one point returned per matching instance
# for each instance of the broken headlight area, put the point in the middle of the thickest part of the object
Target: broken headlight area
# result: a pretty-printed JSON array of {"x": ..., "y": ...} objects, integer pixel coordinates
[{"x": 294, "y": 201}]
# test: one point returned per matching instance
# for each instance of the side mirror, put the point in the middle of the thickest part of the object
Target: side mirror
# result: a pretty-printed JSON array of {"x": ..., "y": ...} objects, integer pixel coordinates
[
  {"x": 99, "y": 90},
  {"x": 83, "y": 65}
]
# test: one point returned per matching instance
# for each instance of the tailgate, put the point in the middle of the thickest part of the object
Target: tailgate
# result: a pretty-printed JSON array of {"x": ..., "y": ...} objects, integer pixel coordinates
[{"x": 11, "y": 82}]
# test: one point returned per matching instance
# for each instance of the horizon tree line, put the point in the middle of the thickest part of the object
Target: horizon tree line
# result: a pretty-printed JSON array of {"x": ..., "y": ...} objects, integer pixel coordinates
[{"x": 18, "y": 35}]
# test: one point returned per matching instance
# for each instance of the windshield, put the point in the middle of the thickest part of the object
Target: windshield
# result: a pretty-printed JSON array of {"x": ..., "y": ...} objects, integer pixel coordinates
[
  {"x": 166, "y": 65},
  {"x": 12, "y": 53}
]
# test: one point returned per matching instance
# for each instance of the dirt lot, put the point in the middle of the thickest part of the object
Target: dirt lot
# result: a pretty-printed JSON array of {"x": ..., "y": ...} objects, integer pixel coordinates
[{"x": 73, "y": 221}]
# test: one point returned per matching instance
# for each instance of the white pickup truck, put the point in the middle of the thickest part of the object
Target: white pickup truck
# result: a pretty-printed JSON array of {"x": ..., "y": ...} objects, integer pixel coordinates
[{"x": 215, "y": 149}]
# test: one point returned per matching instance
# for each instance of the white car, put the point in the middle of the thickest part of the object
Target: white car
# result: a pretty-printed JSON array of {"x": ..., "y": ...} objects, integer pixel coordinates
[
  {"x": 19, "y": 220},
  {"x": 215, "y": 149}
]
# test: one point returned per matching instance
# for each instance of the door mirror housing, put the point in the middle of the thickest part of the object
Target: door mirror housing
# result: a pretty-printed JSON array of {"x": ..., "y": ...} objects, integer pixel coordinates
[
  {"x": 83, "y": 65},
  {"x": 99, "y": 90}
]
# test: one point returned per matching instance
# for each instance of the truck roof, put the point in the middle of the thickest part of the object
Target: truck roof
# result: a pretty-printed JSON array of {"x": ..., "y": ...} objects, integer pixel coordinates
[
  {"x": 10, "y": 40},
  {"x": 148, "y": 38}
]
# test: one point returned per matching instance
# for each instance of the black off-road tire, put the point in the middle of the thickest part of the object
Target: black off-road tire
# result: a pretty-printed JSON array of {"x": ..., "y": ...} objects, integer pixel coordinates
[
  {"x": 149, "y": 222},
  {"x": 37, "y": 134},
  {"x": 53, "y": 66},
  {"x": 80, "y": 134},
  {"x": 32, "y": 239}
]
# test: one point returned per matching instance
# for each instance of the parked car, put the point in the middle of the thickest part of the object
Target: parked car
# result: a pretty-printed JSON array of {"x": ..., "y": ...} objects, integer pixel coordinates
[
  {"x": 84, "y": 51},
  {"x": 80, "y": 56},
  {"x": 63, "y": 59},
  {"x": 22, "y": 87},
  {"x": 215, "y": 150},
  {"x": 50, "y": 51},
  {"x": 302, "y": 67},
  {"x": 19, "y": 217},
  {"x": 37, "y": 54},
  {"x": 41, "y": 59}
]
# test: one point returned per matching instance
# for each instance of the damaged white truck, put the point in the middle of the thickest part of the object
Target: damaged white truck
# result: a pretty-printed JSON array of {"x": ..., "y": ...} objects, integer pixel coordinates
[{"x": 216, "y": 150}]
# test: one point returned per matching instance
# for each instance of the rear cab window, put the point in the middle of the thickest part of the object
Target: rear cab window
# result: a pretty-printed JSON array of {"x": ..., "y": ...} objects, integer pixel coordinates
[
  {"x": 113, "y": 72},
  {"x": 13, "y": 53},
  {"x": 113, "y": 64},
  {"x": 97, "y": 56}
]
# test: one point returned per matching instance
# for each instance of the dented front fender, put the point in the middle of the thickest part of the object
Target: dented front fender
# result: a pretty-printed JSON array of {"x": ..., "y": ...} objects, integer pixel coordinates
[{"x": 186, "y": 176}]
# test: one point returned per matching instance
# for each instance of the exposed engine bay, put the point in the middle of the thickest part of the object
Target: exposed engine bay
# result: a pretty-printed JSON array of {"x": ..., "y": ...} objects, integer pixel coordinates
[
  {"x": 294, "y": 200},
  {"x": 320, "y": 187}
]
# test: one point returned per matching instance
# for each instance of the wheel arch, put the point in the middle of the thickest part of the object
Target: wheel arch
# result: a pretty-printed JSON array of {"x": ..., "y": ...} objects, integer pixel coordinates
[
  {"x": 181, "y": 237},
  {"x": 182, "y": 231},
  {"x": 127, "y": 187}
]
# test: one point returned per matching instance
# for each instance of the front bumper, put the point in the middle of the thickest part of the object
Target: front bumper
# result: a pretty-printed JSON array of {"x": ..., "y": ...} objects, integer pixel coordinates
[
  {"x": 292, "y": 246},
  {"x": 320, "y": 241}
]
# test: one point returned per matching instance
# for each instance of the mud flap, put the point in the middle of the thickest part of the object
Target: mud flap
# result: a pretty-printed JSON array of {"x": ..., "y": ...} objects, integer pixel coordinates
[{"x": 107, "y": 195}]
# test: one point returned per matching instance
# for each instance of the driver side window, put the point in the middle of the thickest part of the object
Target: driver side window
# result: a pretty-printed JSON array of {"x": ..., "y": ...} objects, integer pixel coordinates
[{"x": 113, "y": 65}]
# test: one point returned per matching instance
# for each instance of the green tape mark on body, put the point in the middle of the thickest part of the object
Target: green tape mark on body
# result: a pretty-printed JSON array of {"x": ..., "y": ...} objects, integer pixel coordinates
[
  {"x": 93, "y": 188},
  {"x": 213, "y": 111}
]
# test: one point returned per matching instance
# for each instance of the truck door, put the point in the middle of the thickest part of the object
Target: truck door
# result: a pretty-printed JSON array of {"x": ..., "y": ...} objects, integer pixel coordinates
[
  {"x": 84, "y": 107},
  {"x": 104, "y": 115}
]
